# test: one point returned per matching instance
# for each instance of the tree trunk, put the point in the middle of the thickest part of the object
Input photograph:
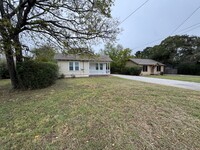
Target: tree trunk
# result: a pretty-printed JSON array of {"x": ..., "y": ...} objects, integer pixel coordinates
[
  {"x": 18, "y": 49},
  {"x": 11, "y": 68}
]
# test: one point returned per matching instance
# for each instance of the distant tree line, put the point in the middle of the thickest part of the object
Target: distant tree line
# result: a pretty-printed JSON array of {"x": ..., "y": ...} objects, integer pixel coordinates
[{"x": 180, "y": 51}]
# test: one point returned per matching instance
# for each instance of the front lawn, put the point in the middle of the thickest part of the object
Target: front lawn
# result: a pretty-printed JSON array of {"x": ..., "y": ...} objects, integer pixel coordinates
[
  {"x": 178, "y": 77},
  {"x": 99, "y": 113}
]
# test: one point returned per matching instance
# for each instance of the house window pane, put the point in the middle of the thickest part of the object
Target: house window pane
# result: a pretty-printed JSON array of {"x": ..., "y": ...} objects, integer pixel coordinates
[
  {"x": 101, "y": 66},
  {"x": 71, "y": 66},
  {"x": 97, "y": 66},
  {"x": 76, "y": 66},
  {"x": 158, "y": 68},
  {"x": 145, "y": 68}
]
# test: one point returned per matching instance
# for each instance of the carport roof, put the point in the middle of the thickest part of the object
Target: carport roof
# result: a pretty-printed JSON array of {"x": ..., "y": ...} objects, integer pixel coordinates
[{"x": 145, "y": 61}]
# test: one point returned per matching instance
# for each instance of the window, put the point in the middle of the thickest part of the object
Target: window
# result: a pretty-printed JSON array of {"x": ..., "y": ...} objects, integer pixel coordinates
[
  {"x": 158, "y": 68},
  {"x": 74, "y": 66},
  {"x": 97, "y": 66},
  {"x": 71, "y": 68},
  {"x": 145, "y": 68},
  {"x": 101, "y": 66}
]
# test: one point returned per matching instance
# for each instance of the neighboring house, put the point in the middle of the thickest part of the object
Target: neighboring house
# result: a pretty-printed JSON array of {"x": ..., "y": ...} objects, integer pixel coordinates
[
  {"x": 82, "y": 66},
  {"x": 149, "y": 66}
]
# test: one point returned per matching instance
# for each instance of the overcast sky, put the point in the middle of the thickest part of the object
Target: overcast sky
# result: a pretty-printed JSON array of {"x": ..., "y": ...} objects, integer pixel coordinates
[{"x": 156, "y": 19}]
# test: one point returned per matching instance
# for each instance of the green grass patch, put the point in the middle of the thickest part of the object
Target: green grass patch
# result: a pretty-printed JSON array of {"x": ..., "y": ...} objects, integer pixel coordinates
[
  {"x": 178, "y": 77},
  {"x": 99, "y": 113}
]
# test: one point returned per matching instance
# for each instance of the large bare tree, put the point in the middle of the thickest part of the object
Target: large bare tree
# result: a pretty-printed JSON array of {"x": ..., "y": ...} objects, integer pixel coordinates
[{"x": 67, "y": 23}]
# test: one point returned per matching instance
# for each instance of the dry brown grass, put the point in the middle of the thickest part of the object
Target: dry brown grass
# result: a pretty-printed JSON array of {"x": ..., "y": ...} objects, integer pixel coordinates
[{"x": 100, "y": 113}]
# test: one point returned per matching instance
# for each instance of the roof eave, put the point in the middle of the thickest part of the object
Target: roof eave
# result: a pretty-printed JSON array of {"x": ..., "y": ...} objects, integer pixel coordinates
[{"x": 83, "y": 60}]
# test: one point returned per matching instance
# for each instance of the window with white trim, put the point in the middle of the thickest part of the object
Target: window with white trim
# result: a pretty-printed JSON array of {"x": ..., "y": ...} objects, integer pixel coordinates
[
  {"x": 76, "y": 66},
  {"x": 97, "y": 66},
  {"x": 101, "y": 66},
  {"x": 107, "y": 66},
  {"x": 73, "y": 66}
]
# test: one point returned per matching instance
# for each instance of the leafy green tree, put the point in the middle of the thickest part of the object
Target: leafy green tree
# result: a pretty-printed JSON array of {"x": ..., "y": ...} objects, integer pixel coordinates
[
  {"x": 44, "y": 53},
  {"x": 174, "y": 50},
  {"x": 119, "y": 56},
  {"x": 66, "y": 23},
  {"x": 146, "y": 53}
]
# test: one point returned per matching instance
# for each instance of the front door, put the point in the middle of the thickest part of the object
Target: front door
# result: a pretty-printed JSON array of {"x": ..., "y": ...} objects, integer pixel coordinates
[{"x": 152, "y": 70}]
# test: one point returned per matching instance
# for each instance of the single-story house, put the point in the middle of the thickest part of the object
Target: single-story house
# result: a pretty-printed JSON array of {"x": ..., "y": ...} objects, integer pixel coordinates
[
  {"x": 71, "y": 65},
  {"x": 149, "y": 66}
]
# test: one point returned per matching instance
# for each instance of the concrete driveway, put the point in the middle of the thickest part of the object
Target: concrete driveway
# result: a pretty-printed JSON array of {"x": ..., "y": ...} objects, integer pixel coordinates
[{"x": 174, "y": 83}]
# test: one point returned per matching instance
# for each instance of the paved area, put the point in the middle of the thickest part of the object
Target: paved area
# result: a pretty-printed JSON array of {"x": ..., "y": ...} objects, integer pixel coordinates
[{"x": 174, "y": 83}]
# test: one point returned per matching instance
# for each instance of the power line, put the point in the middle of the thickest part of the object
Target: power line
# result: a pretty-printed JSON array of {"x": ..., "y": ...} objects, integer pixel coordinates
[
  {"x": 192, "y": 29},
  {"x": 173, "y": 31},
  {"x": 134, "y": 12},
  {"x": 197, "y": 24},
  {"x": 186, "y": 20},
  {"x": 178, "y": 28},
  {"x": 183, "y": 31}
]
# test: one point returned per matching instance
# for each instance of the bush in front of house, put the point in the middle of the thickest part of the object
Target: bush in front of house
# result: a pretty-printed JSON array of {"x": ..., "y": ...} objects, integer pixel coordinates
[
  {"x": 132, "y": 70},
  {"x": 189, "y": 69},
  {"x": 62, "y": 76},
  {"x": 35, "y": 75},
  {"x": 4, "y": 73},
  {"x": 114, "y": 70},
  {"x": 161, "y": 73}
]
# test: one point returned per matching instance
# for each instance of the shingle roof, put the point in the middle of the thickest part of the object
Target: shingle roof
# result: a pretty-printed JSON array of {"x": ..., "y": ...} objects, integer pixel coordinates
[
  {"x": 145, "y": 61},
  {"x": 69, "y": 57}
]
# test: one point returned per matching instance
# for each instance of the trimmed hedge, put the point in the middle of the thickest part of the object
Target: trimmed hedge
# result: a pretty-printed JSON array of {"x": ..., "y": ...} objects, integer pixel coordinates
[
  {"x": 132, "y": 70},
  {"x": 189, "y": 69},
  {"x": 35, "y": 75},
  {"x": 4, "y": 73}
]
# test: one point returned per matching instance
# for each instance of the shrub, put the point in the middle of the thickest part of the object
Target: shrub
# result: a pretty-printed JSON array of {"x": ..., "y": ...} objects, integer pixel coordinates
[
  {"x": 4, "y": 73},
  {"x": 132, "y": 70},
  {"x": 34, "y": 75},
  {"x": 114, "y": 69},
  {"x": 189, "y": 69},
  {"x": 62, "y": 76}
]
